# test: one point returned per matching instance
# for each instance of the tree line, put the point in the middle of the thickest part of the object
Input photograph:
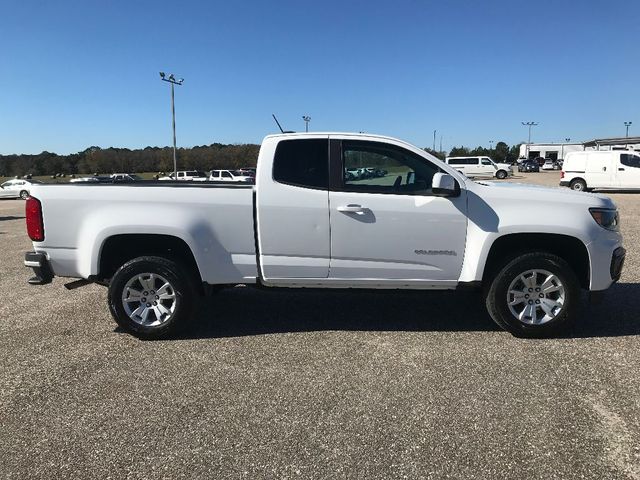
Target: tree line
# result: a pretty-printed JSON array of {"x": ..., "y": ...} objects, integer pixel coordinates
[
  {"x": 150, "y": 159},
  {"x": 501, "y": 153},
  {"x": 160, "y": 159}
]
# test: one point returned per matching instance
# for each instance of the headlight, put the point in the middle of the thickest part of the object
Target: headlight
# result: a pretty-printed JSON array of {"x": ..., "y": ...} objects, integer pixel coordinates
[{"x": 606, "y": 218}]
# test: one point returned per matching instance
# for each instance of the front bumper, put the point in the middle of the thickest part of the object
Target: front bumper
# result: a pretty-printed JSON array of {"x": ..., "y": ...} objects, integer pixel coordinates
[{"x": 41, "y": 268}]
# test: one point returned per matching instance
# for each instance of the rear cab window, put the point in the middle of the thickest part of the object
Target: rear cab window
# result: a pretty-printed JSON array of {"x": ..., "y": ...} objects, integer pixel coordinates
[{"x": 302, "y": 163}]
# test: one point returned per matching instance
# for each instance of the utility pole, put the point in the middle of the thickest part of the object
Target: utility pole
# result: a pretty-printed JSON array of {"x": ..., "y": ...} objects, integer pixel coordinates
[
  {"x": 440, "y": 144},
  {"x": 529, "y": 124},
  {"x": 172, "y": 80},
  {"x": 566, "y": 140},
  {"x": 434, "y": 140},
  {"x": 627, "y": 124},
  {"x": 306, "y": 119},
  {"x": 490, "y": 144}
]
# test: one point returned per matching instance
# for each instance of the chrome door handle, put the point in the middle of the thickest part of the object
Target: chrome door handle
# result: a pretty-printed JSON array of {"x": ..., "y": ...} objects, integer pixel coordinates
[{"x": 358, "y": 209}]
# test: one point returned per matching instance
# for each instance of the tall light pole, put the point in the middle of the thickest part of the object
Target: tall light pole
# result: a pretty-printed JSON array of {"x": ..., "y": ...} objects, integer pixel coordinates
[
  {"x": 490, "y": 144},
  {"x": 306, "y": 119},
  {"x": 566, "y": 140},
  {"x": 627, "y": 124},
  {"x": 529, "y": 124},
  {"x": 434, "y": 140},
  {"x": 172, "y": 80}
]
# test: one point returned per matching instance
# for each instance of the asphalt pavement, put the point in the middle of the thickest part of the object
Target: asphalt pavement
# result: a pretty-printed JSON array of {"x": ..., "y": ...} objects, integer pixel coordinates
[{"x": 315, "y": 384}]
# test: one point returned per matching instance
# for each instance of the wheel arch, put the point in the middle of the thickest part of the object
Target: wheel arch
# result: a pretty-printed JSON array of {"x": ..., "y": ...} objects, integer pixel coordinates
[
  {"x": 570, "y": 249},
  {"x": 118, "y": 249}
]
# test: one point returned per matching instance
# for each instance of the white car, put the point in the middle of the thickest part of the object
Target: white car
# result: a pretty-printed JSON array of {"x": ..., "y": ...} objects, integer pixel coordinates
[
  {"x": 17, "y": 188},
  {"x": 528, "y": 250},
  {"x": 549, "y": 165},
  {"x": 85, "y": 180},
  {"x": 605, "y": 170},
  {"x": 186, "y": 175},
  {"x": 228, "y": 176},
  {"x": 480, "y": 167}
]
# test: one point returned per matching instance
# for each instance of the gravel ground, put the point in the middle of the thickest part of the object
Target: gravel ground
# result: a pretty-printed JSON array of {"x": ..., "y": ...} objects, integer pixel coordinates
[{"x": 290, "y": 384}]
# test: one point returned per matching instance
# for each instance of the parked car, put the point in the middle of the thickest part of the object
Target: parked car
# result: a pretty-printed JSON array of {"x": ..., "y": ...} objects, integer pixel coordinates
[
  {"x": 528, "y": 166},
  {"x": 352, "y": 173},
  {"x": 113, "y": 178},
  {"x": 229, "y": 176},
  {"x": 187, "y": 175},
  {"x": 528, "y": 249},
  {"x": 551, "y": 165},
  {"x": 92, "y": 179},
  {"x": 17, "y": 188},
  {"x": 480, "y": 167},
  {"x": 615, "y": 169},
  {"x": 125, "y": 177}
]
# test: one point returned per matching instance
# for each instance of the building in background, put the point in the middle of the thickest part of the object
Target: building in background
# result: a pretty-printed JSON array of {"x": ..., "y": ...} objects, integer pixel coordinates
[
  {"x": 557, "y": 151},
  {"x": 554, "y": 151}
]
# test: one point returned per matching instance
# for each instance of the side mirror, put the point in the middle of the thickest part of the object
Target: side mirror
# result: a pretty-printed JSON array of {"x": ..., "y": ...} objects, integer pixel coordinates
[{"x": 444, "y": 185}]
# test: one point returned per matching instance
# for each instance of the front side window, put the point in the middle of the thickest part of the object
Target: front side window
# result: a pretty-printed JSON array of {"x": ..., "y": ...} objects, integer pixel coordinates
[
  {"x": 383, "y": 168},
  {"x": 630, "y": 160},
  {"x": 486, "y": 161},
  {"x": 226, "y": 174},
  {"x": 303, "y": 163},
  {"x": 456, "y": 161}
]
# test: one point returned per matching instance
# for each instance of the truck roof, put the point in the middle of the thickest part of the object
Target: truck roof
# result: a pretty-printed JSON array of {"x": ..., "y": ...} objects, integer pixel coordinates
[{"x": 336, "y": 134}]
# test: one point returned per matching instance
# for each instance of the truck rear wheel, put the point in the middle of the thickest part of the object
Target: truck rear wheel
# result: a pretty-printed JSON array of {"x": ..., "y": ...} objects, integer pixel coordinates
[
  {"x": 534, "y": 295},
  {"x": 151, "y": 297},
  {"x": 578, "y": 185}
]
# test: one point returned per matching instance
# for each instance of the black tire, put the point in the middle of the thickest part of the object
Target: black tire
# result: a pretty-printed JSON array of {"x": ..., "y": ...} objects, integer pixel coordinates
[
  {"x": 497, "y": 297},
  {"x": 578, "y": 185},
  {"x": 24, "y": 194},
  {"x": 181, "y": 288},
  {"x": 501, "y": 174}
]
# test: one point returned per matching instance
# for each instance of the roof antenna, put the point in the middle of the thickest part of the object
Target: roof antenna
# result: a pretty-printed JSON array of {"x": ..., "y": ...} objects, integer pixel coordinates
[{"x": 280, "y": 126}]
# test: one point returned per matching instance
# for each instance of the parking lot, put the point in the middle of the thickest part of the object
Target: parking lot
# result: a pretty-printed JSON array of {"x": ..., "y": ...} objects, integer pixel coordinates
[{"x": 316, "y": 384}]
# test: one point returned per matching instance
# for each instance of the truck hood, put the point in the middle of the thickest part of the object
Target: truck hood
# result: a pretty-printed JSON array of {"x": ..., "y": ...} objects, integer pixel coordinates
[{"x": 538, "y": 193}]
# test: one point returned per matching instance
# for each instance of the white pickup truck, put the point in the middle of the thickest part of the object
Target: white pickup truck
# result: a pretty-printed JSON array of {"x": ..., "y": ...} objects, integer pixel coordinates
[{"x": 306, "y": 223}]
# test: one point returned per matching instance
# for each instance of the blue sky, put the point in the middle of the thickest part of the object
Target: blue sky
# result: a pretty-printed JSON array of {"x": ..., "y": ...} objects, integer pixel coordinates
[{"x": 80, "y": 73}]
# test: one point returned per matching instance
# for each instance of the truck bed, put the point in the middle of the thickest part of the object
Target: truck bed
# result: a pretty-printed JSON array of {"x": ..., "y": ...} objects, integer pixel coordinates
[{"x": 215, "y": 220}]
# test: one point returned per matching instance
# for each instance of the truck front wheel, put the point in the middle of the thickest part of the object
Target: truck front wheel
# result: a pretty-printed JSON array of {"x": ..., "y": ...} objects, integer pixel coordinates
[
  {"x": 501, "y": 174},
  {"x": 534, "y": 295},
  {"x": 151, "y": 297}
]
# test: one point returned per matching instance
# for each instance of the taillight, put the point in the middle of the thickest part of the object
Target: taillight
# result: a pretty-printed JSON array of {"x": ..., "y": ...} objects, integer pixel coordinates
[
  {"x": 35, "y": 225},
  {"x": 562, "y": 174}
]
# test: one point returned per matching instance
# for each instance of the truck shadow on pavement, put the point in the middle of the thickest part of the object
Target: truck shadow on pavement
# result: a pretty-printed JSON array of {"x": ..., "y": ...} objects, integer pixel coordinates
[
  {"x": 10, "y": 217},
  {"x": 243, "y": 311}
]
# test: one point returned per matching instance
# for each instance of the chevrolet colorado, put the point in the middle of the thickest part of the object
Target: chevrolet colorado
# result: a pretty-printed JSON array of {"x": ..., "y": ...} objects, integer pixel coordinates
[{"x": 307, "y": 223}]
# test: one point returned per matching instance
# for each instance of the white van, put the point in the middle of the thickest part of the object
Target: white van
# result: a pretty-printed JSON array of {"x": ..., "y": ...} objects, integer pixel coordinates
[
  {"x": 612, "y": 169},
  {"x": 480, "y": 167}
]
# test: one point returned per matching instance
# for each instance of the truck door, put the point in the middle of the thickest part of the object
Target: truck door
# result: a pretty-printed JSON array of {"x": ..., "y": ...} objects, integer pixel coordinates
[
  {"x": 628, "y": 170},
  {"x": 292, "y": 201},
  {"x": 487, "y": 167},
  {"x": 392, "y": 229},
  {"x": 599, "y": 170}
]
